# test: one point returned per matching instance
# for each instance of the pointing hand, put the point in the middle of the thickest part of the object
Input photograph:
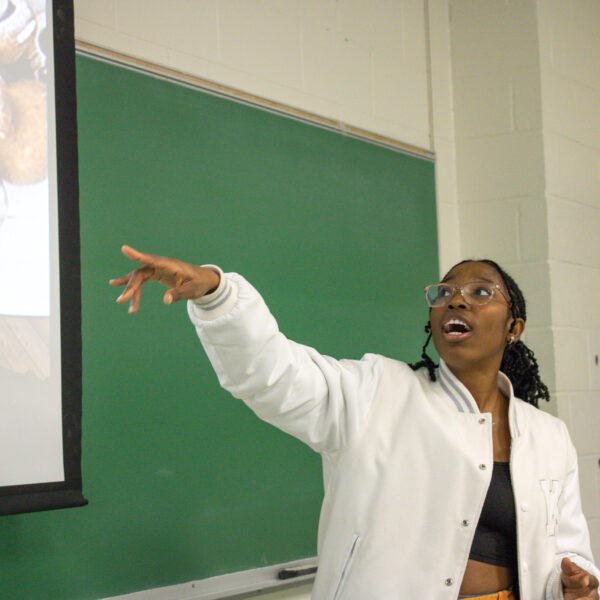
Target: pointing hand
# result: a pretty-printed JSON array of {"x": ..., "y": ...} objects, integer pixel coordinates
[{"x": 183, "y": 280}]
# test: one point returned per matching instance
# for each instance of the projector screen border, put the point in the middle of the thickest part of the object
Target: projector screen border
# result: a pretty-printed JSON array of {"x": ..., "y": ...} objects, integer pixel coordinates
[{"x": 66, "y": 493}]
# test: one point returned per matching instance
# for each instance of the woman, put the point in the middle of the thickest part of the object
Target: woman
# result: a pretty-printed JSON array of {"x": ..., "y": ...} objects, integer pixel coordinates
[{"x": 419, "y": 498}]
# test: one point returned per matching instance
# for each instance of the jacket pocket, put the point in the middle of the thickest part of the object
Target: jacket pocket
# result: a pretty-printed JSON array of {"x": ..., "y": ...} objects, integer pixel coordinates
[{"x": 348, "y": 560}]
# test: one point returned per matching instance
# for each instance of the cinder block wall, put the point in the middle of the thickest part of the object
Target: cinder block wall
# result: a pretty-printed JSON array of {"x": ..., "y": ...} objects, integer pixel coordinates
[
  {"x": 569, "y": 35},
  {"x": 526, "y": 84},
  {"x": 500, "y": 162}
]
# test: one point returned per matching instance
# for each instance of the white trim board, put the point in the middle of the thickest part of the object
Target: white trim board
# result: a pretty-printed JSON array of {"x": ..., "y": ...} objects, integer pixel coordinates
[{"x": 234, "y": 585}]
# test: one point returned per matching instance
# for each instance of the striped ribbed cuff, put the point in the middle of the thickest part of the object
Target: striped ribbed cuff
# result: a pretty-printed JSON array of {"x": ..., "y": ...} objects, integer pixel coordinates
[{"x": 219, "y": 302}]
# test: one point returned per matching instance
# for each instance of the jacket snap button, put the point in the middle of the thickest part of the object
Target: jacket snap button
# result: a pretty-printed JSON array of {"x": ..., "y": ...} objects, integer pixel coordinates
[
  {"x": 481, "y": 421},
  {"x": 524, "y": 506},
  {"x": 449, "y": 581},
  {"x": 465, "y": 522},
  {"x": 482, "y": 467}
]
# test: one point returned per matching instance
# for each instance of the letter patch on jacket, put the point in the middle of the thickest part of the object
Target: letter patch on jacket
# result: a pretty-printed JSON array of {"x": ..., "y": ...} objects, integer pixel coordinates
[{"x": 552, "y": 490}]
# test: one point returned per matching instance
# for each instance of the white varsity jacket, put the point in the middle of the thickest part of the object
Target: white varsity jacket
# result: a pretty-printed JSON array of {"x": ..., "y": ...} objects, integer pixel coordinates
[{"x": 407, "y": 462}]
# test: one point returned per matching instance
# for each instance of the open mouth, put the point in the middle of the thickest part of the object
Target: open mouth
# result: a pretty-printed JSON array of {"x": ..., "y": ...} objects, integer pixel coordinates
[{"x": 455, "y": 329}]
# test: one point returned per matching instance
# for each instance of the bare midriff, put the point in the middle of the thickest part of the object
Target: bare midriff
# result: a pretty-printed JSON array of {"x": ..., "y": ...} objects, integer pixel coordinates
[{"x": 481, "y": 578}]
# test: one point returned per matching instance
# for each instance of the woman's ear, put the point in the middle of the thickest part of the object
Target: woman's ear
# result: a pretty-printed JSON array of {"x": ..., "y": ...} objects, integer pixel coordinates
[{"x": 515, "y": 330}]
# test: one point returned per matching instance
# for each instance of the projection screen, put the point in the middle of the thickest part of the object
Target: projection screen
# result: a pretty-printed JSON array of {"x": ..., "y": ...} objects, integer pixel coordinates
[{"x": 40, "y": 307}]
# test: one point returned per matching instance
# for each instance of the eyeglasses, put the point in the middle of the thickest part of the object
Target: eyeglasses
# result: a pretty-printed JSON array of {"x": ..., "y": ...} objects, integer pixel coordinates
[{"x": 475, "y": 293}]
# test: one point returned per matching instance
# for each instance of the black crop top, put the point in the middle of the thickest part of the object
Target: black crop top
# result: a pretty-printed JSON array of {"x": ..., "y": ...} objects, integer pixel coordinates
[{"x": 495, "y": 540}]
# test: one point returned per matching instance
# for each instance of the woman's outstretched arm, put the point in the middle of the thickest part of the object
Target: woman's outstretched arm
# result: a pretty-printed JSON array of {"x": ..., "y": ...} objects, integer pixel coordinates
[{"x": 316, "y": 398}]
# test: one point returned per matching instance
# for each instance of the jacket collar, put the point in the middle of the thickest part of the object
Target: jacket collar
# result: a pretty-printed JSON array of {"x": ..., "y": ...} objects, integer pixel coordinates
[{"x": 464, "y": 401}]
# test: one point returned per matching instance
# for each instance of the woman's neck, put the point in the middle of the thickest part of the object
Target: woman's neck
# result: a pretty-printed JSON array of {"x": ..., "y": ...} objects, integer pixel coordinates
[{"x": 483, "y": 385}]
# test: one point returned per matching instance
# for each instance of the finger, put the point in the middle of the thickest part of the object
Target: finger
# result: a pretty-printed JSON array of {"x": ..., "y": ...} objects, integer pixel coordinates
[
  {"x": 574, "y": 576},
  {"x": 134, "y": 305},
  {"x": 571, "y": 582},
  {"x": 162, "y": 266},
  {"x": 580, "y": 580},
  {"x": 569, "y": 567},
  {"x": 141, "y": 257},
  {"x": 137, "y": 279},
  {"x": 120, "y": 280}
]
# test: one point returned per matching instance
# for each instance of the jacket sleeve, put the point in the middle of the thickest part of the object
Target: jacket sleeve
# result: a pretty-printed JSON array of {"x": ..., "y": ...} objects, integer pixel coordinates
[
  {"x": 317, "y": 399},
  {"x": 572, "y": 537}
]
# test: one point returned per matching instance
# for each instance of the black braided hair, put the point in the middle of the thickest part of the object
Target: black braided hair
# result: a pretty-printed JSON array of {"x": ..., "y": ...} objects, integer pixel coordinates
[
  {"x": 426, "y": 360},
  {"x": 518, "y": 362}
]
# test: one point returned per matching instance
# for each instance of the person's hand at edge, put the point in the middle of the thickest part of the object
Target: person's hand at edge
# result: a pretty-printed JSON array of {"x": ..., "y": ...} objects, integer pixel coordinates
[
  {"x": 183, "y": 280},
  {"x": 578, "y": 584}
]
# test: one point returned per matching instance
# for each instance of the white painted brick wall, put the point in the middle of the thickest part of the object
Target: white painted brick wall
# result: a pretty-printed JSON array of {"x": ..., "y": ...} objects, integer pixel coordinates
[
  {"x": 492, "y": 36},
  {"x": 569, "y": 32},
  {"x": 499, "y": 152},
  {"x": 527, "y": 129},
  {"x": 442, "y": 133}
]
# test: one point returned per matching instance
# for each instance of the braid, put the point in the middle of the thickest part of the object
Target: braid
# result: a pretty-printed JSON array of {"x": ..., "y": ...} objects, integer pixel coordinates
[
  {"x": 518, "y": 362},
  {"x": 520, "y": 366},
  {"x": 426, "y": 359}
]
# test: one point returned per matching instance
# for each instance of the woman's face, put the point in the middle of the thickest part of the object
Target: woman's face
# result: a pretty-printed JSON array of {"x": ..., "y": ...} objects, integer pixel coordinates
[{"x": 485, "y": 330}]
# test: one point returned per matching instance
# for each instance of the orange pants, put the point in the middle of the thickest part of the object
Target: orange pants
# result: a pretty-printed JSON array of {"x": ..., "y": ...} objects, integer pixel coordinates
[{"x": 501, "y": 595}]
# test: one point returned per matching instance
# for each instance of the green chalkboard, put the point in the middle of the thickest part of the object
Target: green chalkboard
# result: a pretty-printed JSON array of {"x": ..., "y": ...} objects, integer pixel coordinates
[{"x": 184, "y": 482}]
